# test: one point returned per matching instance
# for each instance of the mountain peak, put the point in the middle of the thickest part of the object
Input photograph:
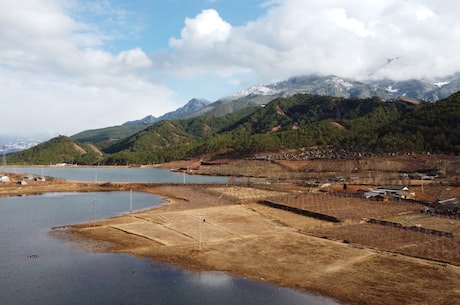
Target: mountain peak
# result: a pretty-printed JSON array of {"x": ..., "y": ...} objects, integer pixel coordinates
[
  {"x": 149, "y": 119},
  {"x": 188, "y": 110},
  {"x": 196, "y": 103},
  {"x": 251, "y": 91}
]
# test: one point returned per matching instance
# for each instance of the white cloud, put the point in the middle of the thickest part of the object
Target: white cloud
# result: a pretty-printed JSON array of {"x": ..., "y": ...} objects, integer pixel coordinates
[
  {"x": 57, "y": 60},
  {"x": 204, "y": 31},
  {"x": 134, "y": 58},
  {"x": 345, "y": 37},
  {"x": 355, "y": 26},
  {"x": 57, "y": 78}
]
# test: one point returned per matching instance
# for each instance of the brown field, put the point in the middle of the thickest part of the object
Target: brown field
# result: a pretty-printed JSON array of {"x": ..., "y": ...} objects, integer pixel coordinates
[
  {"x": 267, "y": 244},
  {"x": 353, "y": 261}
]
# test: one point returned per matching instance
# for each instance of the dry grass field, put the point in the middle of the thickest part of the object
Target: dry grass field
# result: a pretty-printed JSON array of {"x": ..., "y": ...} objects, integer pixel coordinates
[
  {"x": 228, "y": 227},
  {"x": 225, "y": 228}
]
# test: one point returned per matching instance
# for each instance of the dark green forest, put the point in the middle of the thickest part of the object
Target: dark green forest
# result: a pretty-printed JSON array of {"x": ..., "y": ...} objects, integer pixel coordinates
[{"x": 302, "y": 121}]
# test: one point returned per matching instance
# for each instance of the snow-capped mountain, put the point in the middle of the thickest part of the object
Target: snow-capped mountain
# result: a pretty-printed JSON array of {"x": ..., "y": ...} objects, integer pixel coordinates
[
  {"x": 252, "y": 91},
  {"x": 330, "y": 85},
  {"x": 9, "y": 146},
  {"x": 333, "y": 85}
]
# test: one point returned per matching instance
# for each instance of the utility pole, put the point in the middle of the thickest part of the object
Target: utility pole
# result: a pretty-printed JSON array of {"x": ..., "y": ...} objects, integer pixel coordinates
[
  {"x": 94, "y": 210},
  {"x": 130, "y": 201},
  {"x": 200, "y": 221}
]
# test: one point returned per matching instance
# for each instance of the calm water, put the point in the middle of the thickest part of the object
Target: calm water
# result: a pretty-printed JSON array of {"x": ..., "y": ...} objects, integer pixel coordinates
[
  {"x": 104, "y": 174},
  {"x": 36, "y": 268}
]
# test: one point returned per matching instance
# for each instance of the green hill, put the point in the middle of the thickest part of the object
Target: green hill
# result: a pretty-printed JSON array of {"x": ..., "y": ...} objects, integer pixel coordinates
[
  {"x": 172, "y": 139},
  {"x": 300, "y": 122},
  {"x": 58, "y": 150},
  {"x": 104, "y": 136}
]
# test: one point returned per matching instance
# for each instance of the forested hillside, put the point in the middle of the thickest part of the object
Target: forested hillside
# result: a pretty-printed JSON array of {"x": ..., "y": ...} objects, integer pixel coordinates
[
  {"x": 61, "y": 149},
  {"x": 302, "y": 121}
]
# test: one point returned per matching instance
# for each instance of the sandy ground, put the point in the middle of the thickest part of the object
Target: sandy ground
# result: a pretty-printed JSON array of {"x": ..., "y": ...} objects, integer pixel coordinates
[{"x": 222, "y": 228}]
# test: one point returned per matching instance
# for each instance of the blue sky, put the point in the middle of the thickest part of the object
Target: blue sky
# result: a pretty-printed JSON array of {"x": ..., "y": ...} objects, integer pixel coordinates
[
  {"x": 72, "y": 65},
  {"x": 159, "y": 20}
]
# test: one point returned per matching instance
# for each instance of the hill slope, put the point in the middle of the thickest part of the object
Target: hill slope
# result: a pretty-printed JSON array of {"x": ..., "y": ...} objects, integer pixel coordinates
[
  {"x": 302, "y": 122},
  {"x": 61, "y": 149},
  {"x": 330, "y": 85},
  {"x": 102, "y": 136}
]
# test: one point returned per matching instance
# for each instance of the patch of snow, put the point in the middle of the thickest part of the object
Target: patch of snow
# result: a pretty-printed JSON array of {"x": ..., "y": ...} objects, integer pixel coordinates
[
  {"x": 441, "y": 84},
  {"x": 341, "y": 83},
  {"x": 391, "y": 90},
  {"x": 18, "y": 145},
  {"x": 256, "y": 90}
]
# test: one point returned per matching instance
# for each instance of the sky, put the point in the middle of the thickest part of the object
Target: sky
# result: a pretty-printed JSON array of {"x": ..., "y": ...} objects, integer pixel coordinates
[{"x": 71, "y": 65}]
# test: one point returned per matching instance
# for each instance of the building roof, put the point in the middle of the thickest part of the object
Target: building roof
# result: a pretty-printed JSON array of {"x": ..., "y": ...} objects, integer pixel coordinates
[{"x": 394, "y": 187}]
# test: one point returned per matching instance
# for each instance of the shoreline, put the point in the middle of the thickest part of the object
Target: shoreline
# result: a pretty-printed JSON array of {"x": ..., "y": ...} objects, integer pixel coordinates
[{"x": 246, "y": 239}]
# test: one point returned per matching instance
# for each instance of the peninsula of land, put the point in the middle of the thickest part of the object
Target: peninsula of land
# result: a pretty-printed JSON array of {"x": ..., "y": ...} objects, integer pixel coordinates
[{"x": 236, "y": 228}]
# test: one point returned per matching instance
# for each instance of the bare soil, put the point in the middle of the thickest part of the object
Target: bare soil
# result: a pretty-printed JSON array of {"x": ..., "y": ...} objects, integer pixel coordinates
[
  {"x": 226, "y": 228},
  {"x": 262, "y": 243}
]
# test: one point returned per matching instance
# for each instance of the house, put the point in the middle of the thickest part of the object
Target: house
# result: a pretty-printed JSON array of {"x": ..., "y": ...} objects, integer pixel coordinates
[
  {"x": 371, "y": 193},
  {"x": 398, "y": 191}
]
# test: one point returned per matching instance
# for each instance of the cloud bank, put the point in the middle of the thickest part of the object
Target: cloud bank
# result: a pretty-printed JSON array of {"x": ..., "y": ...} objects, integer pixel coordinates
[
  {"x": 60, "y": 73},
  {"x": 357, "y": 39},
  {"x": 58, "y": 78}
]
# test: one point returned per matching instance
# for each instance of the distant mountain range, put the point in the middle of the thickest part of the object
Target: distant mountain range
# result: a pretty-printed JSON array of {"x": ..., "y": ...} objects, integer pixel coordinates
[
  {"x": 306, "y": 125},
  {"x": 12, "y": 145},
  {"x": 341, "y": 87},
  {"x": 331, "y": 85}
]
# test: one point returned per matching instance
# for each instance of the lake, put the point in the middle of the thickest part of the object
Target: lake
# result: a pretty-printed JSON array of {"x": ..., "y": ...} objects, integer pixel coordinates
[
  {"x": 113, "y": 174},
  {"x": 37, "y": 268}
]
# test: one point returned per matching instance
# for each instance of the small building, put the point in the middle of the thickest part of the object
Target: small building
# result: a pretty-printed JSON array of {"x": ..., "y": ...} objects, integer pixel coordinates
[
  {"x": 371, "y": 193},
  {"x": 4, "y": 179},
  {"x": 398, "y": 191}
]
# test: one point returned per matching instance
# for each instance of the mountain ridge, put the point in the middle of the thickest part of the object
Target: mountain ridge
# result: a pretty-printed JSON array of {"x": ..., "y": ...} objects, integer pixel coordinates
[
  {"x": 260, "y": 95},
  {"x": 337, "y": 127},
  {"x": 128, "y": 128}
]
